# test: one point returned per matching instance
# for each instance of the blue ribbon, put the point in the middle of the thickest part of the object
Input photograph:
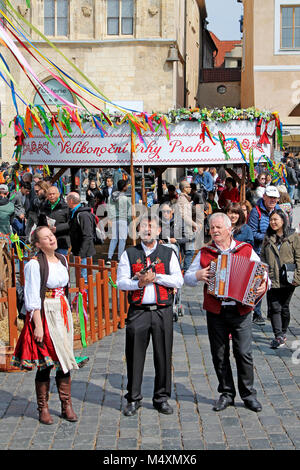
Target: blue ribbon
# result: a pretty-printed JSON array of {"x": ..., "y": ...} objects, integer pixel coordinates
[
  {"x": 71, "y": 78},
  {"x": 13, "y": 93}
]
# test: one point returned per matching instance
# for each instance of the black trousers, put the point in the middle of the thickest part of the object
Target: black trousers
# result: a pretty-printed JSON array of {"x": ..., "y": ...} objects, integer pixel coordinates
[
  {"x": 140, "y": 325},
  {"x": 229, "y": 321},
  {"x": 279, "y": 305}
]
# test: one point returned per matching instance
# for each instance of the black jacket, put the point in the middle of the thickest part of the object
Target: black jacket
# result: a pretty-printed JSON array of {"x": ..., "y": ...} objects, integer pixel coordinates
[
  {"x": 291, "y": 176},
  {"x": 91, "y": 195},
  {"x": 61, "y": 214},
  {"x": 82, "y": 232},
  {"x": 106, "y": 193}
]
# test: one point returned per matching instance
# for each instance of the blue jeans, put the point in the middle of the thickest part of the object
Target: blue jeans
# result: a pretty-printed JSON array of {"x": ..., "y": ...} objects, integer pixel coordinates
[
  {"x": 257, "y": 309},
  {"x": 188, "y": 256},
  {"x": 291, "y": 190},
  {"x": 119, "y": 234},
  {"x": 84, "y": 271}
]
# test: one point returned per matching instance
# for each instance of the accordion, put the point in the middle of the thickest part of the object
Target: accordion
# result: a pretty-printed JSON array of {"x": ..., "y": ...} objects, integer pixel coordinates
[{"x": 236, "y": 277}]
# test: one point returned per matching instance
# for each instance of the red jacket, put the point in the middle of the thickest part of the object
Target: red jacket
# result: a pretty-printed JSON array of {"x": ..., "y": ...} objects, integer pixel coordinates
[{"x": 232, "y": 195}]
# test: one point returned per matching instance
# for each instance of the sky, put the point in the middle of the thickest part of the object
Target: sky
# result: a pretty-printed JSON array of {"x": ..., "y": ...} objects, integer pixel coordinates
[{"x": 223, "y": 17}]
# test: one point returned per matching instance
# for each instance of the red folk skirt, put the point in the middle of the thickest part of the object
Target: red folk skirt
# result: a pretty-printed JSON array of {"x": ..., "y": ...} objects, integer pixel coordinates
[{"x": 28, "y": 353}]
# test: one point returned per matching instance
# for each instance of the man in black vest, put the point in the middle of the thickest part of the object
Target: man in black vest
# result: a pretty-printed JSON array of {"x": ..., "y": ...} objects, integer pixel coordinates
[{"x": 150, "y": 297}]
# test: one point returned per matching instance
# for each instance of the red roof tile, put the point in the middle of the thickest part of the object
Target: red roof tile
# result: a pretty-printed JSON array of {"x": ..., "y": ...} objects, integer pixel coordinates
[{"x": 223, "y": 48}]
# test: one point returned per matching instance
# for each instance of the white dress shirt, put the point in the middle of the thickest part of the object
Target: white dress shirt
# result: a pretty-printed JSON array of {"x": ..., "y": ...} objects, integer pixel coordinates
[
  {"x": 58, "y": 277},
  {"x": 190, "y": 276},
  {"x": 125, "y": 281}
]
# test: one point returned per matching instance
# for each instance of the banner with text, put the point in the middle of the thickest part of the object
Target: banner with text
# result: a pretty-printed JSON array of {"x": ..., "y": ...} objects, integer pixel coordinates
[{"x": 185, "y": 147}]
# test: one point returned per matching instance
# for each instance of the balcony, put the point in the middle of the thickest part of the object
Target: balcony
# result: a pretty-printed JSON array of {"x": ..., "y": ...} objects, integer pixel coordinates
[{"x": 220, "y": 75}]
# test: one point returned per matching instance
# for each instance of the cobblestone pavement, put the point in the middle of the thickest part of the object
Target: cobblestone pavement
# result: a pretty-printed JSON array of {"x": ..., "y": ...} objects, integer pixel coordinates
[{"x": 99, "y": 387}]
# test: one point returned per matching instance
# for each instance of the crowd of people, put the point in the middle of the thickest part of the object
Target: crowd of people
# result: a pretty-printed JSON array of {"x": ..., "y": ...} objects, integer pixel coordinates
[
  {"x": 202, "y": 205},
  {"x": 184, "y": 209}
]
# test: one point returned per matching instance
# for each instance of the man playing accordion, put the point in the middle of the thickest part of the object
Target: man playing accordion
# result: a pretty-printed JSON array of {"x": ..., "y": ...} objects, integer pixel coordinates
[{"x": 227, "y": 317}]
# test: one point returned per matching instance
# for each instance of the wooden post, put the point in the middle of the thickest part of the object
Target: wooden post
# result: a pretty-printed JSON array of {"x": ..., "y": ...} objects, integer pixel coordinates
[
  {"x": 58, "y": 174},
  {"x": 243, "y": 184},
  {"x": 77, "y": 270},
  {"x": 144, "y": 194},
  {"x": 132, "y": 176},
  {"x": 158, "y": 175},
  {"x": 122, "y": 308},
  {"x": 89, "y": 266},
  {"x": 99, "y": 305},
  {"x": 114, "y": 299},
  {"x": 12, "y": 316},
  {"x": 91, "y": 307},
  {"x": 106, "y": 302}
]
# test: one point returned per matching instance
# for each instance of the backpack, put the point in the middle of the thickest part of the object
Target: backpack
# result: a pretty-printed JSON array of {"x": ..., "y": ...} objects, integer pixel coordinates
[
  {"x": 259, "y": 217},
  {"x": 98, "y": 235}
]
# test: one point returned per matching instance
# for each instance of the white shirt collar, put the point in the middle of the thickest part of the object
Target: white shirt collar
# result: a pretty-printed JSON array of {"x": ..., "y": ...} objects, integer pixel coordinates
[
  {"x": 147, "y": 250},
  {"x": 232, "y": 245}
]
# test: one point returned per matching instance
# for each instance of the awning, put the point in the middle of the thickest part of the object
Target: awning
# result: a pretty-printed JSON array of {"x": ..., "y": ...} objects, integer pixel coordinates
[{"x": 291, "y": 136}]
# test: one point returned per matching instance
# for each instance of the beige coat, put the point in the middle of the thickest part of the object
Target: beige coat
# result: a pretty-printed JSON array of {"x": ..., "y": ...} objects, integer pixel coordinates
[{"x": 289, "y": 252}]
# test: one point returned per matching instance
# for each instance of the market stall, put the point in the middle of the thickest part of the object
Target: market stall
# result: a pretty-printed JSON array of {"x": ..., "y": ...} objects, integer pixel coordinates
[{"x": 242, "y": 138}]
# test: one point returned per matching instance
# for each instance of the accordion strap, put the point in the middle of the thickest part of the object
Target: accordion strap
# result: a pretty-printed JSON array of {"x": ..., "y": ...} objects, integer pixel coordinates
[{"x": 237, "y": 247}]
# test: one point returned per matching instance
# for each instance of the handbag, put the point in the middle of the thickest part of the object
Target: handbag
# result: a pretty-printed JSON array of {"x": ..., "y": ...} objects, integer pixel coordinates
[{"x": 286, "y": 273}]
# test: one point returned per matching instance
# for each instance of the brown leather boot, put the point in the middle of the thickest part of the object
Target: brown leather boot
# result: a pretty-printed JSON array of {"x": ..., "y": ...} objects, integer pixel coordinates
[
  {"x": 42, "y": 395},
  {"x": 64, "y": 391}
]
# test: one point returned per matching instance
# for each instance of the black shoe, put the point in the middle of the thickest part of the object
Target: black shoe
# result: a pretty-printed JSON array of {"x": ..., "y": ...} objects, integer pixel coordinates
[
  {"x": 258, "y": 320},
  {"x": 278, "y": 342},
  {"x": 223, "y": 402},
  {"x": 163, "y": 407},
  {"x": 253, "y": 404},
  {"x": 132, "y": 408}
]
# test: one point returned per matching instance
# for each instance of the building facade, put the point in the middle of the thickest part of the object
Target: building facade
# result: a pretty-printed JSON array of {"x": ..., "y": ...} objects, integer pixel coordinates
[
  {"x": 271, "y": 62},
  {"x": 142, "y": 54},
  {"x": 220, "y": 78}
]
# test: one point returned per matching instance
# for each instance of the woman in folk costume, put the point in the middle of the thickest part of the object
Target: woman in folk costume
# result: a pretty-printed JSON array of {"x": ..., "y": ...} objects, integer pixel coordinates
[{"x": 47, "y": 337}]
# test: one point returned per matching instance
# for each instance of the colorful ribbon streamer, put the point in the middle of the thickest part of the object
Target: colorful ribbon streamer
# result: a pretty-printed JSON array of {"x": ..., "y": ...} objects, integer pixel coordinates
[{"x": 80, "y": 300}]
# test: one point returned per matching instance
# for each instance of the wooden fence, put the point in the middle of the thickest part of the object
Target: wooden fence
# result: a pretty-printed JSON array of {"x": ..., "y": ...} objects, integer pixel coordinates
[
  {"x": 106, "y": 306},
  {"x": 6, "y": 351}
]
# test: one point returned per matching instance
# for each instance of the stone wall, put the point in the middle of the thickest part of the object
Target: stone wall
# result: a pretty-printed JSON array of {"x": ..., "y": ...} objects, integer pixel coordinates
[{"x": 131, "y": 68}]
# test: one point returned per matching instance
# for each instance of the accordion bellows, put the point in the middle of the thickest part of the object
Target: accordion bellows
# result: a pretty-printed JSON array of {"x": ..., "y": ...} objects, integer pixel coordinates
[{"x": 236, "y": 278}]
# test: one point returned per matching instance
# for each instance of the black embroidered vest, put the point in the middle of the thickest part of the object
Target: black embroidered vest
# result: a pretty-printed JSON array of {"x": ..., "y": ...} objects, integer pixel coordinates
[
  {"x": 138, "y": 261},
  {"x": 44, "y": 271}
]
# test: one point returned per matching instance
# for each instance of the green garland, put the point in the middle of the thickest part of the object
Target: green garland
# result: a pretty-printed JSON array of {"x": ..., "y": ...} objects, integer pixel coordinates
[
  {"x": 218, "y": 115},
  {"x": 175, "y": 116}
]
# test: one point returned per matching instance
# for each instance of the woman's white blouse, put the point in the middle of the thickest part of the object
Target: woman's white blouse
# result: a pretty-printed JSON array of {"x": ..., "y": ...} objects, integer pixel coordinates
[{"x": 58, "y": 277}]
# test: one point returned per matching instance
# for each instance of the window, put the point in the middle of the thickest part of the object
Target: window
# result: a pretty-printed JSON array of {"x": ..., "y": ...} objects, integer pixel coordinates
[
  {"x": 56, "y": 17},
  {"x": 57, "y": 88},
  {"x": 222, "y": 89},
  {"x": 290, "y": 27},
  {"x": 120, "y": 17}
]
